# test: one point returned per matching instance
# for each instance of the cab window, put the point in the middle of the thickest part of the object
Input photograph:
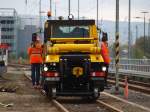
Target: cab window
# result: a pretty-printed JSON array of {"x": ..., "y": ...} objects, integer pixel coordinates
[{"x": 70, "y": 32}]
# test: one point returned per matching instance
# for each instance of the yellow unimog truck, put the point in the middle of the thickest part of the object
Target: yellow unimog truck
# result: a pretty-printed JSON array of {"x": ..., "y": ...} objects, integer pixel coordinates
[{"x": 73, "y": 64}]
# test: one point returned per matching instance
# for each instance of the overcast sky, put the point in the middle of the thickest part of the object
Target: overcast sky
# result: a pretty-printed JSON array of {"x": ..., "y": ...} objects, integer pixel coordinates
[{"x": 87, "y": 8}]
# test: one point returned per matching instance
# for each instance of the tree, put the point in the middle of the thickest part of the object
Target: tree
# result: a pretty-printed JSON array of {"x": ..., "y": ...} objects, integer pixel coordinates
[{"x": 138, "y": 47}]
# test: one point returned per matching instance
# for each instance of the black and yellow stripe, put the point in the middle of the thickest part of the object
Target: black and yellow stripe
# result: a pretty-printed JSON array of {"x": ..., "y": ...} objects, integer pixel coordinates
[{"x": 117, "y": 49}]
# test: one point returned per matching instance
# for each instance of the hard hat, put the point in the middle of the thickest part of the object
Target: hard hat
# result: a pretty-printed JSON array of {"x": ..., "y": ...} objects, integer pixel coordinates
[{"x": 104, "y": 36}]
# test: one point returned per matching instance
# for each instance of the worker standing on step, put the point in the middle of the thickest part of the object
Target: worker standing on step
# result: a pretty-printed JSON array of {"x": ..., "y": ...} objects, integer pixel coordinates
[
  {"x": 35, "y": 53},
  {"x": 105, "y": 54}
]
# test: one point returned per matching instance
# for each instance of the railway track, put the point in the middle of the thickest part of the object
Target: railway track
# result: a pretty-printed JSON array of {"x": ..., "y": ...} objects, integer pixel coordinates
[
  {"x": 80, "y": 105},
  {"x": 133, "y": 85},
  {"x": 63, "y": 107},
  {"x": 103, "y": 105},
  {"x": 10, "y": 88},
  {"x": 131, "y": 81},
  {"x": 19, "y": 65},
  {"x": 6, "y": 86}
]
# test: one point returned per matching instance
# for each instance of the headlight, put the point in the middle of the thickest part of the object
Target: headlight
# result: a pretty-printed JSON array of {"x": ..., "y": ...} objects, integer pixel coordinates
[
  {"x": 45, "y": 69},
  {"x": 104, "y": 68}
]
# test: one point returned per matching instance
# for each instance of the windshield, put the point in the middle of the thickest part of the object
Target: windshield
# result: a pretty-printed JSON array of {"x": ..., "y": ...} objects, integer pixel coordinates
[{"x": 70, "y": 32}]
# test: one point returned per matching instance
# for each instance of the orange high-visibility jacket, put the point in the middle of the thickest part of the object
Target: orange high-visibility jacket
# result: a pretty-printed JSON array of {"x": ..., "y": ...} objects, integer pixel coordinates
[
  {"x": 35, "y": 55},
  {"x": 105, "y": 52}
]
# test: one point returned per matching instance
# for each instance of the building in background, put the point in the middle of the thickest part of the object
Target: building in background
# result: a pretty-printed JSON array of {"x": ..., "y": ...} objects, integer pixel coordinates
[
  {"x": 16, "y": 30},
  {"x": 24, "y": 39},
  {"x": 8, "y": 21},
  {"x": 27, "y": 25}
]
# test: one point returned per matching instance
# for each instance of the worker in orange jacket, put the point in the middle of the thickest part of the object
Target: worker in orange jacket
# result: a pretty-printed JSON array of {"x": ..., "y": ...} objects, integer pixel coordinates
[
  {"x": 35, "y": 53},
  {"x": 105, "y": 54}
]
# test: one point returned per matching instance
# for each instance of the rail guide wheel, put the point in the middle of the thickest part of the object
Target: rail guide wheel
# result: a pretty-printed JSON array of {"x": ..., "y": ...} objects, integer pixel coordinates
[
  {"x": 51, "y": 93},
  {"x": 96, "y": 94}
]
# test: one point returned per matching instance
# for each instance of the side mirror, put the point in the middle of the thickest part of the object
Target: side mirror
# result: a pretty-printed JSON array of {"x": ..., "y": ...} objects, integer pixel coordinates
[
  {"x": 105, "y": 36},
  {"x": 99, "y": 32}
]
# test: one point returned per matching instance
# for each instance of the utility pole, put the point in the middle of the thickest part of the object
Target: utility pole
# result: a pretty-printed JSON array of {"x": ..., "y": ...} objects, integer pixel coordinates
[
  {"x": 0, "y": 35},
  {"x": 97, "y": 12},
  {"x": 129, "y": 31},
  {"x": 149, "y": 29},
  {"x": 40, "y": 19},
  {"x": 136, "y": 27},
  {"x": 78, "y": 9},
  {"x": 148, "y": 36},
  {"x": 55, "y": 11},
  {"x": 68, "y": 7},
  {"x": 144, "y": 32},
  {"x": 117, "y": 46},
  {"x": 51, "y": 6}
]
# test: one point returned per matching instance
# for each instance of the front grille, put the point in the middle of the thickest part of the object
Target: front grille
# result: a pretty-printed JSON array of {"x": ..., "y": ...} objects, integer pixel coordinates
[
  {"x": 68, "y": 79},
  {"x": 68, "y": 62}
]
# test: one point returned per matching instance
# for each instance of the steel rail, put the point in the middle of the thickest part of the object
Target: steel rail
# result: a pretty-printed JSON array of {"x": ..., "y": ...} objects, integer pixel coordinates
[
  {"x": 133, "y": 87},
  {"x": 127, "y": 102},
  {"x": 114, "y": 109}
]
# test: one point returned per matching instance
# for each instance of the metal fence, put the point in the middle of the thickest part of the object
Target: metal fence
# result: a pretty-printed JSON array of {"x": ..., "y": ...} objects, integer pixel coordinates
[{"x": 134, "y": 65}]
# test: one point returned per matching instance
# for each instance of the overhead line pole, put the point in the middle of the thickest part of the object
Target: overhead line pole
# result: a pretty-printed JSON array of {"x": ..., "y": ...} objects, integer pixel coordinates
[
  {"x": 149, "y": 36},
  {"x": 144, "y": 36},
  {"x": 55, "y": 10},
  {"x": 144, "y": 32},
  {"x": 117, "y": 47},
  {"x": 136, "y": 27},
  {"x": 51, "y": 6},
  {"x": 97, "y": 12},
  {"x": 68, "y": 7},
  {"x": 40, "y": 19},
  {"x": 78, "y": 9},
  {"x": 149, "y": 29},
  {"x": 129, "y": 31}
]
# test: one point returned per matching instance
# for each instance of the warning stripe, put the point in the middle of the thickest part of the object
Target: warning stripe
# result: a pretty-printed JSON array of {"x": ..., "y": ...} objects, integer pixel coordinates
[{"x": 117, "y": 49}]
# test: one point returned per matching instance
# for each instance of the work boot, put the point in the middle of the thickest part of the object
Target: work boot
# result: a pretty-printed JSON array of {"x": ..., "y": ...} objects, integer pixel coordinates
[
  {"x": 39, "y": 87},
  {"x": 34, "y": 86}
]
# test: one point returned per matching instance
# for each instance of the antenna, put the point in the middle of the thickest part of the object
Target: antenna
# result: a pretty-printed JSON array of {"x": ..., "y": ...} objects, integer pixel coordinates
[
  {"x": 97, "y": 12},
  {"x": 68, "y": 7}
]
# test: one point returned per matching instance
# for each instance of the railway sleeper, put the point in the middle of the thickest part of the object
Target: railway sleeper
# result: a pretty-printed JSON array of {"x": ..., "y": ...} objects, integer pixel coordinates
[{"x": 10, "y": 89}]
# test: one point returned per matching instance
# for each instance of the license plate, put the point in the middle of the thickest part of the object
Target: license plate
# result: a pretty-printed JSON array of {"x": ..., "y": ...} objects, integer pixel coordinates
[
  {"x": 52, "y": 79},
  {"x": 77, "y": 71}
]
